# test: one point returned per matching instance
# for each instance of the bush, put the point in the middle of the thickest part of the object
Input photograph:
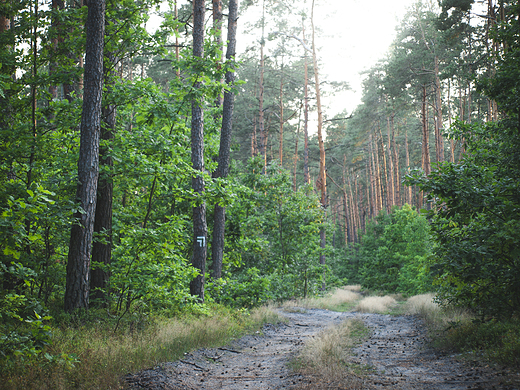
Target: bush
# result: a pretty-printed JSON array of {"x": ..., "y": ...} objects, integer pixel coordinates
[{"x": 395, "y": 251}]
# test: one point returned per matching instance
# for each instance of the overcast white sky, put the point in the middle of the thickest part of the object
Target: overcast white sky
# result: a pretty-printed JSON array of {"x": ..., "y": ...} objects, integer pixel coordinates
[
  {"x": 356, "y": 34},
  {"x": 362, "y": 33}
]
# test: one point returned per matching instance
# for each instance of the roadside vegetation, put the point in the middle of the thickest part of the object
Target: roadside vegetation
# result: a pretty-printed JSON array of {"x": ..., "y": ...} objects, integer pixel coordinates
[{"x": 88, "y": 353}]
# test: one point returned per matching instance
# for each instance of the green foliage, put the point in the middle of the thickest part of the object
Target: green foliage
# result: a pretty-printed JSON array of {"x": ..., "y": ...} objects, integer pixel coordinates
[
  {"x": 394, "y": 253},
  {"x": 23, "y": 331},
  {"x": 477, "y": 226},
  {"x": 275, "y": 230},
  {"x": 248, "y": 289},
  {"x": 498, "y": 341}
]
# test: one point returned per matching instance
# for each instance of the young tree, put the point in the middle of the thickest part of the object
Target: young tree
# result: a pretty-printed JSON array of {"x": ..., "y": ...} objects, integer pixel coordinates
[{"x": 78, "y": 265}]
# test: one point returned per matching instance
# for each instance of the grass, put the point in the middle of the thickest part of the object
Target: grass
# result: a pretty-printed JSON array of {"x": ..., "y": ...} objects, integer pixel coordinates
[
  {"x": 341, "y": 299},
  {"x": 376, "y": 304},
  {"x": 458, "y": 330},
  {"x": 325, "y": 357},
  {"x": 103, "y": 356}
]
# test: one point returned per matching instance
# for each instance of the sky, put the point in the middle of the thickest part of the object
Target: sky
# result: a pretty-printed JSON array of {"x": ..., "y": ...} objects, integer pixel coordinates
[
  {"x": 361, "y": 32},
  {"x": 355, "y": 35}
]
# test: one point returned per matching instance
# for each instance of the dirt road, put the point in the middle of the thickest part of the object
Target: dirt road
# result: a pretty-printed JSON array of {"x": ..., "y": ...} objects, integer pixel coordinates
[{"x": 397, "y": 353}]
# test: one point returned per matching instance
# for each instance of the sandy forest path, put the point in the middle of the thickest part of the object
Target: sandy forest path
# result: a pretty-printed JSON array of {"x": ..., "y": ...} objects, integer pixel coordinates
[{"x": 397, "y": 353}]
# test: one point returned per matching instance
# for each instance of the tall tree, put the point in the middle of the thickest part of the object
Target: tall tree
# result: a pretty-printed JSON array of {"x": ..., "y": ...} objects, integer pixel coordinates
[
  {"x": 225, "y": 144},
  {"x": 78, "y": 265},
  {"x": 102, "y": 246},
  {"x": 263, "y": 133},
  {"x": 200, "y": 231},
  {"x": 322, "y": 177}
]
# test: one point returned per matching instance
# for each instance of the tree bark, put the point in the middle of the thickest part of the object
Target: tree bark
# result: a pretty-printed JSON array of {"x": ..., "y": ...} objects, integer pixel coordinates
[
  {"x": 407, "y": 162},
  {"x": 306, "y": 175},
  {"x": 425, "y": 139},
  {"x": 200, "y": 232},
  {"x": 102, "y": 247},
  {"x": 281, "y": 117},
  {"x": 397, "y": 185},
  {"x": 217, "y": 26},
  {"x": 56, "y": 5},
  {"x": 225, "y": 146},
  {"x": 78, "y": 265},
  {"x": 323, "y": 176},
  {"x": 295, "y": 160},
  {"x": 439, "y": 142},
  {"x": 263, "y": 139}
]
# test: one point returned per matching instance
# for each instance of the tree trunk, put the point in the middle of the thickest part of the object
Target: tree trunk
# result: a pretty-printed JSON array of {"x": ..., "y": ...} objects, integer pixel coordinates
[
  {"x": 225, "y": 146},
  {"x": 56, "y": 5},
  {"x": 323, "y": 176},
  {"x": 372, "y": 181},
  {"x": 384, "y": 190},
  {"x": 377, "y": 174},
  {"x": 439, "y": 142},
  {"x": 217, "y": 26},
  {"x": 281, "y": 118},
  {"x": 452, "y": 142},
  {"x": 263, "y": 139},
  {"x": 102, "y": 247},
  {"x": 306, "y": 175},
  {"x": 397, "y": 185},
  {"x": 295, "y": 161},
  {"x": 391, "y": 181},
  {"x": 78, "y": 265},
  {"x": 426, "y": 139},
  {"x": 407, "y": 162},
  {"x": 200, "y": 231}
]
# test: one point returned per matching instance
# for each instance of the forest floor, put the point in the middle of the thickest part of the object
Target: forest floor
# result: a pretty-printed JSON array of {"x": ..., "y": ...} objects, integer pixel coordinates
[{"x": 396, "y": 355}]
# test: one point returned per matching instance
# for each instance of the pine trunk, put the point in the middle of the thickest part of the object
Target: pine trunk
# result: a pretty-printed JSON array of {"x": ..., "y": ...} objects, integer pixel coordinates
[
  {"x": 200, "y": 232},
  {"x": 439, "y": 142},
  {"x": 102, "y": 247},
  {"x": 78, "y": 265},
  {"x": 306, "y": 175},
  {"x": 391, "y": 181},
  {"x": 281, "y": 118},
  {"x": 397, "y": 185},
  {"x": 323, "y": 176},
  {"x": 426, "y": 139},
  {"x": 263, "y": 139},
  {"x": 225, "y": 146}
]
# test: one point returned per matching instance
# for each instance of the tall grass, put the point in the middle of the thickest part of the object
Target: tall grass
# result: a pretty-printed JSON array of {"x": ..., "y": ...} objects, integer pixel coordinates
[
  {"x": 104, "y": 356},
  {"x": 376, "y": 304},
  {"x": 325, "y": 357},
  {"x": 339, "y": 299}
]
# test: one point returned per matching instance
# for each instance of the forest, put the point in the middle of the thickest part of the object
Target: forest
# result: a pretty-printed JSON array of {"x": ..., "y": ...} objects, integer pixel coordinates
[{"x": 158, "y": 173}]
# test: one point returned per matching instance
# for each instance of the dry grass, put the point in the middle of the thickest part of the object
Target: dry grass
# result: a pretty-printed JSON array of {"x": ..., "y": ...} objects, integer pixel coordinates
[
  {"x": 438, "y": 317},
  {"x": 333, "y": 301},
  {"x": 324, "y": 359},
  {"x": 376, "y": 304},
  {"x": 353, "y": 287},
  {"x": 104, "y": 357}
]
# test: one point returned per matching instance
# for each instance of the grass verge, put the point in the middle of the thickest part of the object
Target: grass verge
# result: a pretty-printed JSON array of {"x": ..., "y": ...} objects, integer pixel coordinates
[{"x": 103, "y": 357}]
